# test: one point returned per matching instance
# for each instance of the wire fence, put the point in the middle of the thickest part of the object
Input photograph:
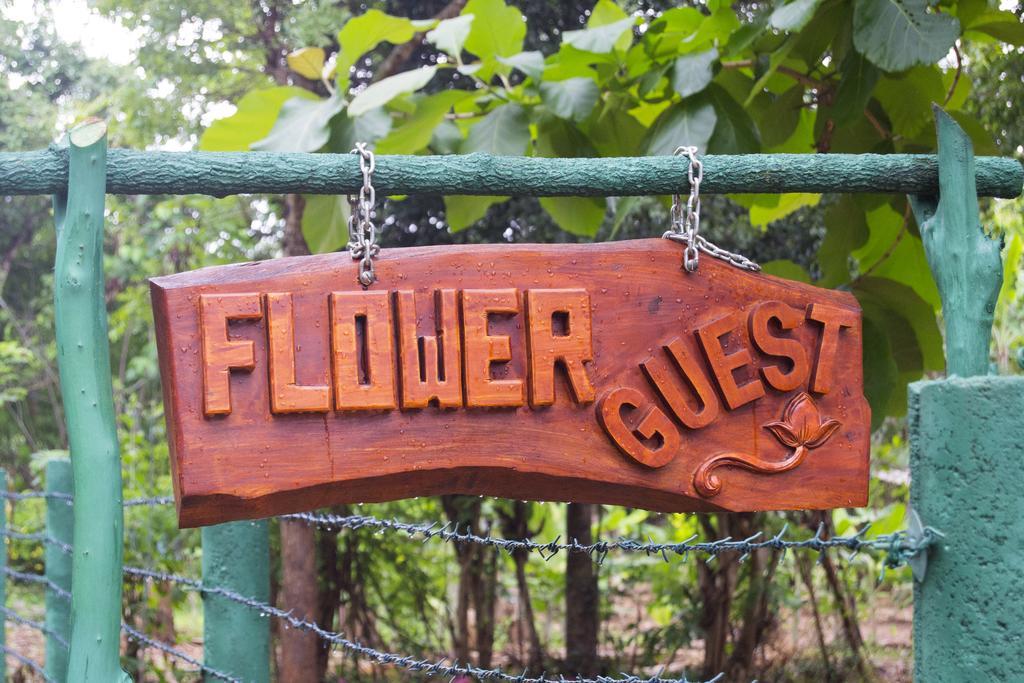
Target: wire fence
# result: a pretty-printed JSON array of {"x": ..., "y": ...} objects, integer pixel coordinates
[
  {"x": 31, "y": 664},
  {"x": 898, "y": 549}
]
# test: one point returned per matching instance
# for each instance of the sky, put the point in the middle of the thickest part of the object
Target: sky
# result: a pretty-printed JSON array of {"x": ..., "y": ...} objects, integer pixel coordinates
[{"x": 75, "y": 22}]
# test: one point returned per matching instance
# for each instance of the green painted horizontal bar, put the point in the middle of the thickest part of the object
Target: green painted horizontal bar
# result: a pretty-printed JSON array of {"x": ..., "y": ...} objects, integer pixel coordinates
[{"x": 224, "y": 173}]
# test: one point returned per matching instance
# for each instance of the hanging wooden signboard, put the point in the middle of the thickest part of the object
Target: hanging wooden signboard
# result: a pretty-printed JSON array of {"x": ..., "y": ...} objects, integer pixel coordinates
[{"x": 589, "y": 373}]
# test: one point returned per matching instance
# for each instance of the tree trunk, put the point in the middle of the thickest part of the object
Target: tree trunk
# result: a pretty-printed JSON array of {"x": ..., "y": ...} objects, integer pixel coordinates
[
  {"x": 717, "y": 582},
  {"x": 464, "y": 512},
  {"x": 581, "y": 596},
  {"x": 758, "y": 618},
  {"x": 516, "y": 525},
  {"x": 299, "y": 649}
]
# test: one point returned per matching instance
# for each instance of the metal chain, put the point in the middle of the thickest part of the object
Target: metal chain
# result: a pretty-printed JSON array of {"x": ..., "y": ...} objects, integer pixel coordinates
[
  {"x": 686, "y": 223},
  {"x": 361, "y": 230}
]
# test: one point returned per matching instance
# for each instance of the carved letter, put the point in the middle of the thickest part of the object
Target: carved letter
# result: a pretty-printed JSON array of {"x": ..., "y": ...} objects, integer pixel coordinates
[
  {"x": 431, "y": 365},
  {"x": 724, "y": 365},
  {"x": 363, "y": 350},
  {"x": 572, "y": 347},
  {"x": 832, "y": 319},
  {"x": 286, "y": 395},
  {"x": 221, "y": 354},
  {"x": 481, "y": 349},
  {"x": 670, "y": 388},
  {"x": 779, "y": 347},
  {"x": 654, "y": 424}
]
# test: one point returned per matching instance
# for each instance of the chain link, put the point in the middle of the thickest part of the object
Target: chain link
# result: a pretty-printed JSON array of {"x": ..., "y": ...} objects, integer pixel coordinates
[
  {"x": 686, "y": 222},
  {"x": 362, "y": 232}
]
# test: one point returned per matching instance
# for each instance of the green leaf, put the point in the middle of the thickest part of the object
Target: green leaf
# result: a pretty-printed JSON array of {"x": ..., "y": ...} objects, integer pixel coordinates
[
  {"x": 907, "y": 98},
  {"x": 614, "y": 132},
  {"x": 598, "y": 39},
  {"x": 368, "y": 128},
  {"x": 447, "y": 138},
  {"x": 450, "y": 35},
  {"x": 462, "y": 211},
  {"x": 692, "y": 72},
  {"x": 980, "y": 137},
  {"x": 881, "y": 376},
  {"x": 361, "y": 34},
  {"x": 307, "y": 62},
  {"x": 504, "y": 131},
  {"x": 606, "y": 12},
  {"x": 786, "y": 269},
  {"x": 892, "y": 251},
  {"x": 497, "y": 30},
  {"x": 674, "y": 28},
  {"x": 302, "y": 126},
  {"x": 1004, "y": 26},
  {"x": 897, "y": 34},
  {"x": 573, "y": 98},
  {"x": 893, "y": 300},
  {"x": 779, "y": 119},
  {"x": 794, "y": 16},
  {"x": 383, "y": 91},
  {"x": 559, "y": 138},
  {"x": 253, "y": 119},
  {"x": 530, "y": 63},
  {"x": 416, "y": 132},
  {"x": 761, "y": 214},
  {"x": 1011, "y": 267},
  {"x": 579, "y": 215},
  {"x": 690, "y": 122},
  {"x": 325, "y": 222},
  {"x": 858, "y": 80},
  {"x": 734, "y": 132},
  {"x": 846, "y": 229}
]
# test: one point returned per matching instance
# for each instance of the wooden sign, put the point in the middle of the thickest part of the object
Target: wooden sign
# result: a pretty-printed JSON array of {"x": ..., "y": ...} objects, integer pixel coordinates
[{"x": 589, "y": 373}]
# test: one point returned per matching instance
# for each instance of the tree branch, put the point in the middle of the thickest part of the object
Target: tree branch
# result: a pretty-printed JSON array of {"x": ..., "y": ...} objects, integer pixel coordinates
[{"x": 400, "y": 54}]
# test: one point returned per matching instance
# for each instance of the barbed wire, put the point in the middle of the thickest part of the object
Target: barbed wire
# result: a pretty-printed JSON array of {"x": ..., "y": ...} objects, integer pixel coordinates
[
  {"x": 131, "y": 502},
  {"x": 11, "y": 615},
  {"x": 33, "y": 495},
  {"x": 140, "y": 637},
  {"x": 40, "y": 671},
  {"x": 406, "y": 662},
  {"x": 37, "y": 578},
  {"x": 898, "y": 546},
  {"x": 156, "y": 500},
  {"x": 39, "y": 536}
]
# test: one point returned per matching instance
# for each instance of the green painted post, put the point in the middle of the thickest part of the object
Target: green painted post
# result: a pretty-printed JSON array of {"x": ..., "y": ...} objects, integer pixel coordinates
[
  {"x": 964, "y": 261},
  {"x": 966, "y": 449},
  {"x": 236, "y": 638},
  {"x": 3, "y": 572},
  {"x": 60, "y": 526},
  {"x": 967, "y": 473},
  {"x": 83, "y": 359}
]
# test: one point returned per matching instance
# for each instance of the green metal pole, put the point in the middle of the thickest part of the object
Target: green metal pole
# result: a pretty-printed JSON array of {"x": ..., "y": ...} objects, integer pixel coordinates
[
  {"x": 236, "y": 639},
  {"x": 60, "y": 526},
  {"x": 3, "y": 571},
  {"x": 966, "y": 450},
  {"x": 83, "y": 359}
]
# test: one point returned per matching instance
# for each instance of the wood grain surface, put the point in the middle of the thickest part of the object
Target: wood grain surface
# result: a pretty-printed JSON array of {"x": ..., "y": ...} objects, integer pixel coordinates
[{"x": 589, "y": 373}]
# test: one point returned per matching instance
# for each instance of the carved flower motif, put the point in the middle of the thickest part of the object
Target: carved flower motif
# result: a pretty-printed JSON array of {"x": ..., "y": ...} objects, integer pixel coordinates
[{"x": 801, "y": 424}]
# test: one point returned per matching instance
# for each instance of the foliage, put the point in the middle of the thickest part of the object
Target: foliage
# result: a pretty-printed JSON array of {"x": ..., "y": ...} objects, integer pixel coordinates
[
  {"x": 538, "y": 78},
  {"x": 810, "y": 75}
]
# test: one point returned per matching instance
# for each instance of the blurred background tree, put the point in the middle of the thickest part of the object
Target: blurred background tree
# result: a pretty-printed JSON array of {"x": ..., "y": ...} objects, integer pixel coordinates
[{"x": 528, "y": 78}]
